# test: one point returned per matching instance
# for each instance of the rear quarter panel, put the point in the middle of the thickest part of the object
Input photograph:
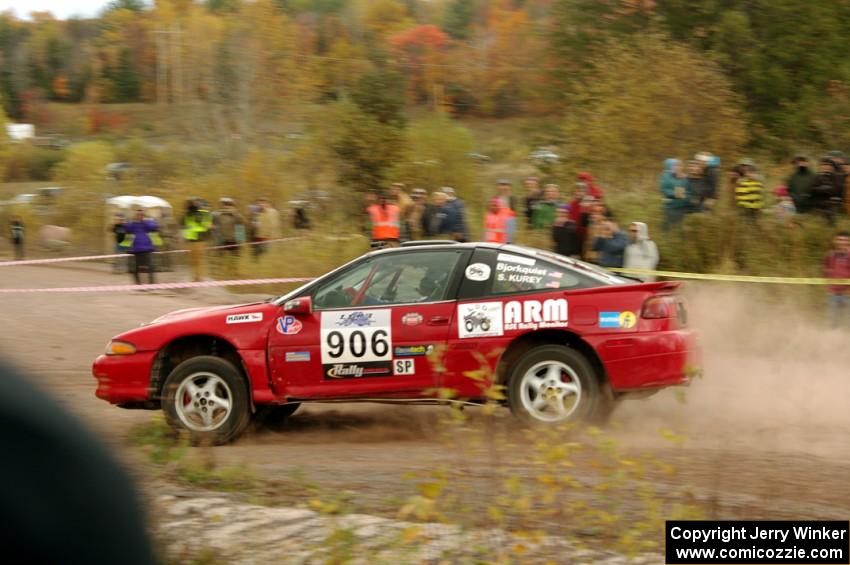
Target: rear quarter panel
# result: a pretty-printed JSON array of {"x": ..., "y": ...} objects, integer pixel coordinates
[{"x": 634, "y": 352}]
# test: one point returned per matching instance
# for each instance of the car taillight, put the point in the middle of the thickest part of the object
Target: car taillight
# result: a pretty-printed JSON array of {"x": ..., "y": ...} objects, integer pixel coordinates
[{"x": 659, "y": 307}]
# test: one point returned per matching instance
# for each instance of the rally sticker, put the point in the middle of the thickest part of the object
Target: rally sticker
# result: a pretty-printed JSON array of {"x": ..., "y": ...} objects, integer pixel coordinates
[
  {"x": 507, "y": 258},
  {"x": 245, "y": 318},
  {"x": 412, "y": 319},
  {"x": 487, "y": 319},
  {"x": 404, "y": 367},
  {"x": 297, "y": 356},
  {"x": 478, "y": 272},
  {"x": 288, "y": 325},
  {"x": 617, "y": 319},
  {"x": 479, "y": 319},
  {"x": 356, "y": 343},
  {"x": 356, "y": 370},
  {"x": 412, "y": 350}
]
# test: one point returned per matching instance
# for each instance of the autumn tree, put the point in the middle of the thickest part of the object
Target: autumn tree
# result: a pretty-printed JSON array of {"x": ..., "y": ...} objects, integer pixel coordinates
[{"x": 650, "y": 99}]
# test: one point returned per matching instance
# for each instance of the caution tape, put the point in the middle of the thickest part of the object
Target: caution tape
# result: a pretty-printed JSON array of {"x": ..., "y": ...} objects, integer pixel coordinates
[
  {"x": 116, "y": 255},
  {"x": 155, "y": 286},
  {"x": 735, "y": 278}
]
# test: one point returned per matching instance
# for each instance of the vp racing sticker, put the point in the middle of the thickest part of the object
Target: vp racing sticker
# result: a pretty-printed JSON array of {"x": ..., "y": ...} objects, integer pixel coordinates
[
  {"x": 288, "y": 325},
  {"x": 356, "y": 343}
]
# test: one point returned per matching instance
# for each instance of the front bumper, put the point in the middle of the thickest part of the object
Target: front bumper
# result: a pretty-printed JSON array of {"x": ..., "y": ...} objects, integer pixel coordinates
[{"x": 123, "y": 379}]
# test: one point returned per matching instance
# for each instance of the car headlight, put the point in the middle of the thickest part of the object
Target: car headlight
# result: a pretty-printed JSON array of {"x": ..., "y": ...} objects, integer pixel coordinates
[{"x": 120, "y": 348}]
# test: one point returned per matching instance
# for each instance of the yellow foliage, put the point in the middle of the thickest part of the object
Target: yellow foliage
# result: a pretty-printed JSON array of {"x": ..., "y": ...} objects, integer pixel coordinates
[{"x": 650, "y": 99}]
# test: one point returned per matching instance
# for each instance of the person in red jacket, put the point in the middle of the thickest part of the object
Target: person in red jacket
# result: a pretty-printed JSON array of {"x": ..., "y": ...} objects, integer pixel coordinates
[
  {"x": 592, "y": 188},
  {"x": 837, "y": 266},
  {"x": 496, "y": 222}
]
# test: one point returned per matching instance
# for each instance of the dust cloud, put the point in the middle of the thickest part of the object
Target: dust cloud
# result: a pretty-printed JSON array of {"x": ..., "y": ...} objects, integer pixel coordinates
[{"x": 776, "y": 379}]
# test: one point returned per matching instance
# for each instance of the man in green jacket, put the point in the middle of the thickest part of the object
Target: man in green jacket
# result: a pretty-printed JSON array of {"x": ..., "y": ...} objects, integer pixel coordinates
[
  {"x": 800, "y": 183},
  {"x": 543, "y": 215}
]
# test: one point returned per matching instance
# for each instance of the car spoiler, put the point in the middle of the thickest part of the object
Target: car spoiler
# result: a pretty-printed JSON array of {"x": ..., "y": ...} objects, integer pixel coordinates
[{"x": 661, "y": 286}]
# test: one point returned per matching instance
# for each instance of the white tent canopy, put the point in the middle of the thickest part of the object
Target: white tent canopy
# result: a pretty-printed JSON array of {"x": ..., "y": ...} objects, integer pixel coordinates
[{"x": 126, "y": 202}]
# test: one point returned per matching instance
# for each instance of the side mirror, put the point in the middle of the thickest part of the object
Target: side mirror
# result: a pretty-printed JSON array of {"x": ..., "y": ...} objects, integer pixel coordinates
[{"x": 303, "y": 305}]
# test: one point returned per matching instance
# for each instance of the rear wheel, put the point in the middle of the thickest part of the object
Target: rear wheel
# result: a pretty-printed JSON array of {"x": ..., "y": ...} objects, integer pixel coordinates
[
  {"x": 553, "y": 384},
  {"x": 207, "y": 397}
]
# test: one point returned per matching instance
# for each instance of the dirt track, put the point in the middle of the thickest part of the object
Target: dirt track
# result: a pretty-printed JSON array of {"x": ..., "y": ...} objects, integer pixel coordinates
[{"x": 766, "y": 428}]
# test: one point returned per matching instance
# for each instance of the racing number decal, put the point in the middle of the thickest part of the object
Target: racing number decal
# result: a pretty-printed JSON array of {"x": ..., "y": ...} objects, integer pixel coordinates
[{"x": 356, "y": 343}]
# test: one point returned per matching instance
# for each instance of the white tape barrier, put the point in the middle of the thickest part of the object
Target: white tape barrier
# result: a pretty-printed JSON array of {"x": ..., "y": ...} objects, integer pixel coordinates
[
  {"x": 115, "y": 255},
  {"x": 155, "y": 286}
]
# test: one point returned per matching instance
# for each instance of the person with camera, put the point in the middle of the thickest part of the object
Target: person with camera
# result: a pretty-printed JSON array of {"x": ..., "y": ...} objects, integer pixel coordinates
[
  {"x": 827, "y": 189},
  {"x": 610, "y": 244}
]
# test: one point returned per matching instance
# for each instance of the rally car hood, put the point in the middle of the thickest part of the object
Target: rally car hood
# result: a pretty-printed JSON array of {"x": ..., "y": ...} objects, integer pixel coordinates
[{"x": 204, "y": 311}]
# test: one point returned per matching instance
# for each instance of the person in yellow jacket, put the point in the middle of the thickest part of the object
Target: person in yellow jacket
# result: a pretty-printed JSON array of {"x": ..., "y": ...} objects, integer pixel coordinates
[
  {"x": 197, "y": 223},
  {"x": 141, "y": 238},
  {"x": 749, "y": 190}
]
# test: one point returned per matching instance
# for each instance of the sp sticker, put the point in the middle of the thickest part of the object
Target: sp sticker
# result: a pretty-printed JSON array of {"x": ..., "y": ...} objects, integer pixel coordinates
[
  {"x": 288, "y": 325},
  {"x": 404, "y": 367},
  {"x": 478, "y": 272}
]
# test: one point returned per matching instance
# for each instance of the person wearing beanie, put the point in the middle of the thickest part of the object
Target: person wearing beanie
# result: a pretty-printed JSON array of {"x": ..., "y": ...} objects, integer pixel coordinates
[{"x": 784, "y": 208}]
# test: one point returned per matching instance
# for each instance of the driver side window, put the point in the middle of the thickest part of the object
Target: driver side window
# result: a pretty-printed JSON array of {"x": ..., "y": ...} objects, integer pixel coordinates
[{"x": 397, "y": 278}]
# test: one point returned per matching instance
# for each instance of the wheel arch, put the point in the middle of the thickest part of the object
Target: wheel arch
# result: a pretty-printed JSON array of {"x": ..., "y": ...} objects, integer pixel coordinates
[
  {"x": 186, "y": 347},
  {"x": 530, "y": 340}
]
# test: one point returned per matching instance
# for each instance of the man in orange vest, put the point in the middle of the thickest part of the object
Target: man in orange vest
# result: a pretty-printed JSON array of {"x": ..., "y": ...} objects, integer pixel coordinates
[
  {"x": 496, "y": 222},
  {"x": 386, "y": 223}
]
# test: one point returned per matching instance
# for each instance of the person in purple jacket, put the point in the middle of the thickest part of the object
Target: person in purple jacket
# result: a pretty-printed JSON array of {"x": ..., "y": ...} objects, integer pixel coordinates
[{"x": 140, "y": 240}]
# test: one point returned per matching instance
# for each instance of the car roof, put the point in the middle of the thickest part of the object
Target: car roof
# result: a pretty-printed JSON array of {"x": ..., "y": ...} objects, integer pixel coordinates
[{"x": 596, "y": 272}]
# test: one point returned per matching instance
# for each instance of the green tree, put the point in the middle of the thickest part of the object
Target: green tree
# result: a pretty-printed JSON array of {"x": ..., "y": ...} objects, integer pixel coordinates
[
  {"x": 365, "y": 147},
  {"x": 458, "y": 18},
  {"x": 126, "y": 79},
  {"x": 380, "y": 94},
  {"x": 436, "y": 155}
]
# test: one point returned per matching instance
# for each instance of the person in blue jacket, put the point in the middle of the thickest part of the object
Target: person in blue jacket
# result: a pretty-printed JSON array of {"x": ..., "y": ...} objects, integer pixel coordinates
[
  {"x": 674, "y": 190},
  {"x": 141, "y": 239},
  {"x": 610, "y": 245}
]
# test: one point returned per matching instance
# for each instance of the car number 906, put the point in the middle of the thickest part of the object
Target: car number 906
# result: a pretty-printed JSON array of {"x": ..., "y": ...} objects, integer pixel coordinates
[{"x": 358, "y": 344}]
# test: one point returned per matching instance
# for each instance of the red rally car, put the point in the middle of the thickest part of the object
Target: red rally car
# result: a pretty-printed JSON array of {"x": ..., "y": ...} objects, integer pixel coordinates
[{"x": 566, "y": 339}]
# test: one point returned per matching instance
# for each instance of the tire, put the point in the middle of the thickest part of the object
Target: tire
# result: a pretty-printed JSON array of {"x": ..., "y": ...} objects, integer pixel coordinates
[
  {"x": 469, "y": 326},
  {"x": 553, "y": 384},
  {"x": 485, "y": 325},
  {"x": 275, "y": 414},
  {"x": 208, "y": 398}
]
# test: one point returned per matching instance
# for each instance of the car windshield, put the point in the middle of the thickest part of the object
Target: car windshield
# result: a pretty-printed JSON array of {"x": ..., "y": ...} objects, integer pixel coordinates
[{"x": 595, "y": 271}]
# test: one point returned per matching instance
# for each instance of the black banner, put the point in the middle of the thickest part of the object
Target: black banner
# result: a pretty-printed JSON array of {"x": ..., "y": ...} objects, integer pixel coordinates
[{"x": 694, "y": 542}]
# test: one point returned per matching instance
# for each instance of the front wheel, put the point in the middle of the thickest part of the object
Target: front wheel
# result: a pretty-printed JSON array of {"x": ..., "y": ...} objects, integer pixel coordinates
[
  {"x": 469, "y": 326},
  {"x": 207, "y": 397},
  {"x": 553, "y": 384}
]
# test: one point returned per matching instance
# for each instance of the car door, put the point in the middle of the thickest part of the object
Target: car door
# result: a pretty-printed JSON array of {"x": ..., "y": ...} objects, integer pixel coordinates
[{"x": 377, "y": 329}]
